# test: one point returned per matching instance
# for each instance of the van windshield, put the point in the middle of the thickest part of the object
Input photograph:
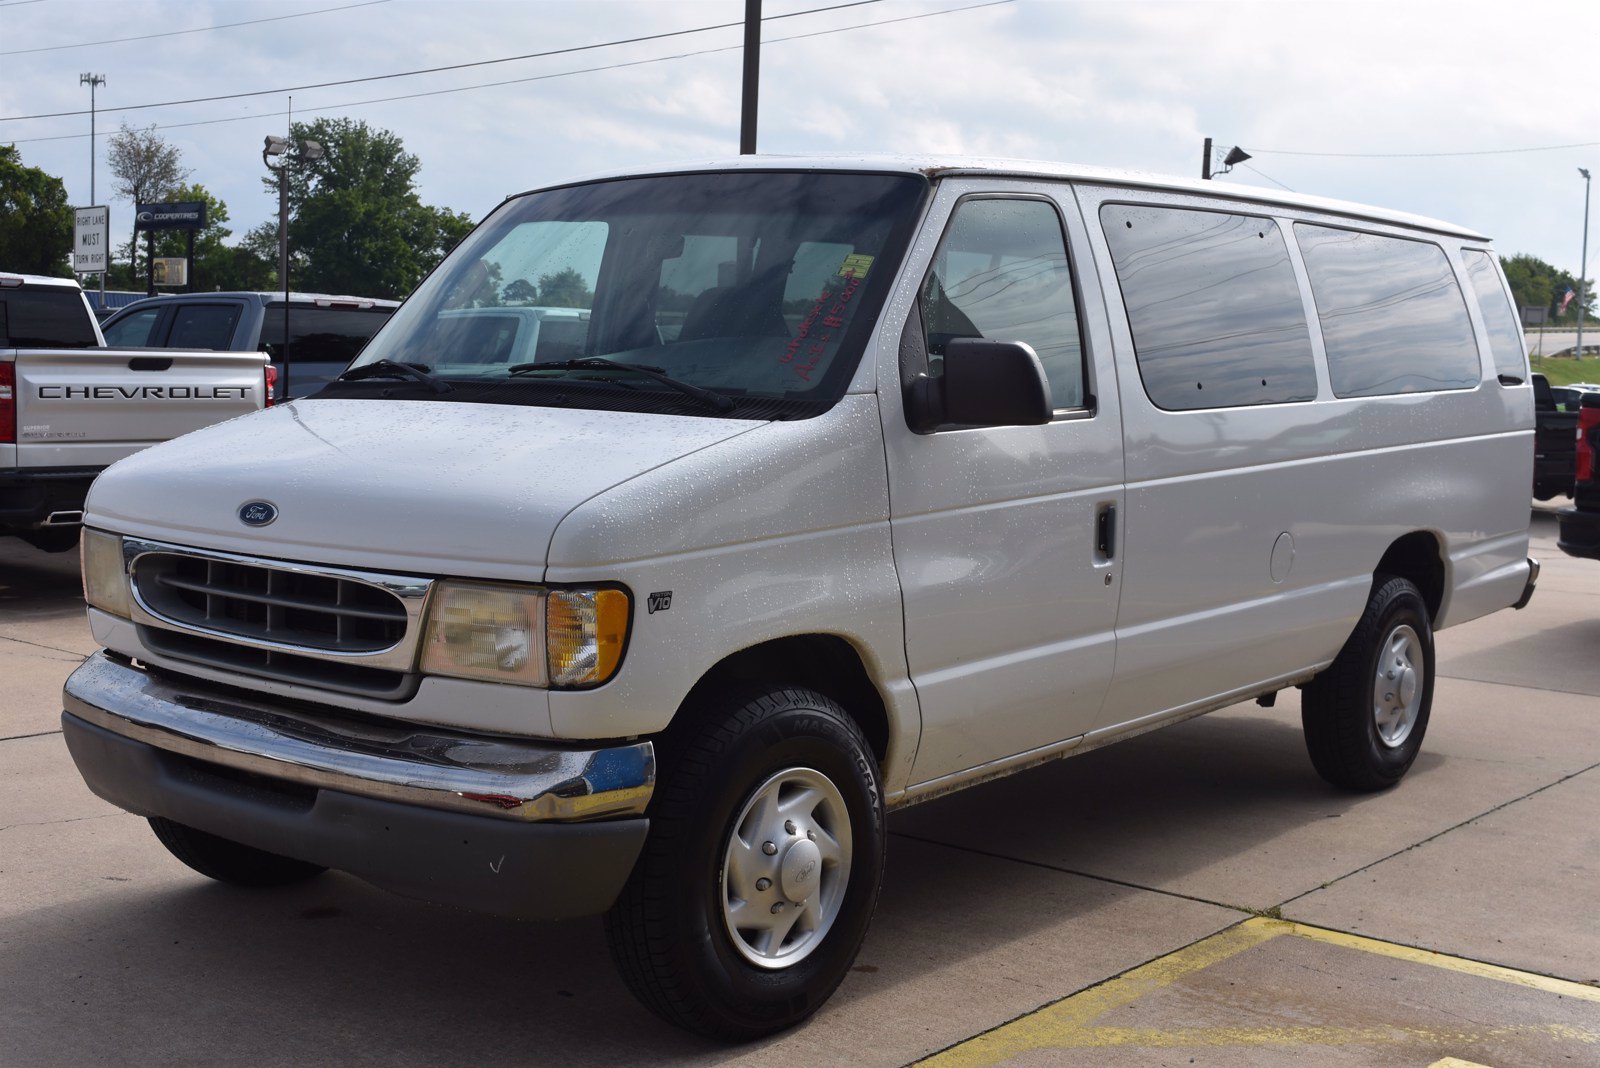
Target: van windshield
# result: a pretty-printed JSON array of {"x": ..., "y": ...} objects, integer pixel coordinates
[{"x": 759, "y": 286}]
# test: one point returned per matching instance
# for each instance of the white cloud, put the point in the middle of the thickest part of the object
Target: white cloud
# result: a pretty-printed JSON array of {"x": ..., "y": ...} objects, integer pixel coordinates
[{"x": 1126, "y": 84}]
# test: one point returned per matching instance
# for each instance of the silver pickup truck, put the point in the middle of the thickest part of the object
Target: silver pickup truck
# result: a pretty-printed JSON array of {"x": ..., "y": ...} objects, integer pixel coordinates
[{"x": 69, "y": 406}]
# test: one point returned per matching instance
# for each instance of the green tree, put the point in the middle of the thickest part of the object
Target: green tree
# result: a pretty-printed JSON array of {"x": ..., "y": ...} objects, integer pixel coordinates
[
  {"x": 144, "y": 169},
  {"x": 35, "y": 219},
  {"x": 521, "y": 291},
  {"x": 1537, "y": 284},
  {"x": 356, "y": 222},
  {"x": 564, "y": 289}
]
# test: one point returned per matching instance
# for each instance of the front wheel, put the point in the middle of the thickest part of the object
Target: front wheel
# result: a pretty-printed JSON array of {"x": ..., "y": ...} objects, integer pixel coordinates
[
  {"x": 1365, "y": 715},
  {"x": 761, "y": 871}
]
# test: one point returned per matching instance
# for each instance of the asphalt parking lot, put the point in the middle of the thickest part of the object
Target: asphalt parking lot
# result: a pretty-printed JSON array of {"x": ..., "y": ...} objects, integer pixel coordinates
[{"x": 1193, "y": 896}]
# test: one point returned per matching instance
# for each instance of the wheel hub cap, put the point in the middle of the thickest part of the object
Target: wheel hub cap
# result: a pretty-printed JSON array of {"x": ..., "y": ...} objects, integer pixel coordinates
[
  {"x": 785, "y": 868},
  {"x": 1397, "y": 689},
  {"x": 802, "y": 866}
]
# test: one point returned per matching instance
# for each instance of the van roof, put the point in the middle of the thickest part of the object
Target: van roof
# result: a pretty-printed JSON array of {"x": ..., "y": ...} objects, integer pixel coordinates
[{"x": 942, "y": 166}]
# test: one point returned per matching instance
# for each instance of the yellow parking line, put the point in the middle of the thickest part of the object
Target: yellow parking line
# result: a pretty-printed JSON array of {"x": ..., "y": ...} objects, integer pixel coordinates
[
  {"x": 1069, "y": 1023},
  {"x": 1532, "y": 980}
]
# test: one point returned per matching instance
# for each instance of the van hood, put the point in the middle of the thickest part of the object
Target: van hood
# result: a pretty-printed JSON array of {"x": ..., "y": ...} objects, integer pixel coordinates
[{"x": 422, "y": 487}]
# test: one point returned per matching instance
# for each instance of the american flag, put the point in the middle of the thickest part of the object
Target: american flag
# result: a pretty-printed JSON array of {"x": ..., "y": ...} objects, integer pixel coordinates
[{"x": 1565, "y": 300}]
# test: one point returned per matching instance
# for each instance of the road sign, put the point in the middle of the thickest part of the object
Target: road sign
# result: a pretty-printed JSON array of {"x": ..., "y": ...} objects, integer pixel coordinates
[{"x": 91, "y": 240}]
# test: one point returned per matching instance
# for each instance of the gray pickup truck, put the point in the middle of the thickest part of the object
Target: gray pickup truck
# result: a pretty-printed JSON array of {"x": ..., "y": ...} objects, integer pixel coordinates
[
  {"x": 324, "y": 332},
  {"x": 70, "y": 406}
]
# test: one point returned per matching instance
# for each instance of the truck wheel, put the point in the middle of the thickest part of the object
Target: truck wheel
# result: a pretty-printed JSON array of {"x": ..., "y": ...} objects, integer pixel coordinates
[
  {"x": 761, "y": 870},
  {"x": 227, "y": 861},
  {"x": 1366, "y": 713}
]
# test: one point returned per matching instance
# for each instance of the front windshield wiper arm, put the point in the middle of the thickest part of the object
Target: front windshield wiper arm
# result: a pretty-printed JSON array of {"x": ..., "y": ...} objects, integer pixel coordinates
[
  {"x": 705, "y": 396},
  {"x": 417, "y": 372}
]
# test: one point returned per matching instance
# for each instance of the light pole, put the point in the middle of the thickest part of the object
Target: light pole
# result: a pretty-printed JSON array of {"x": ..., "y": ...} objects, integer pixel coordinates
[
  {"x": 283, "y": 149},
  {"x": 94, "y": 81},
  {"x": 1583, "y": 264}
]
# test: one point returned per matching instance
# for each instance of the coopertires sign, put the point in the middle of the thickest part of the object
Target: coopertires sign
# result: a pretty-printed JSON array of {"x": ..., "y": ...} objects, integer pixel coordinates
[{"x": 183, "y": 215}]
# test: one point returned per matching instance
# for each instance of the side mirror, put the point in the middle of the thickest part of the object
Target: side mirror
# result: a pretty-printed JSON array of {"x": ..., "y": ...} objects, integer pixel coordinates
[{"x": 985, "y": 383}]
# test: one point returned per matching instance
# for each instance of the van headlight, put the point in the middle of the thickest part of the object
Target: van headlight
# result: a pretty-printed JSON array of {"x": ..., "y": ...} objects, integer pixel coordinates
[
  {"x": 526, "y": 635},
  {"x": 105, "y": 576}
]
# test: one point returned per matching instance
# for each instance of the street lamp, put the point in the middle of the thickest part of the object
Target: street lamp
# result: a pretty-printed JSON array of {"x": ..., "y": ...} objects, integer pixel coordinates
[
  {"x": 284, "y": 149},
  {"x": 94, "y": 81},
  {"x": 1583, "y": 264}
]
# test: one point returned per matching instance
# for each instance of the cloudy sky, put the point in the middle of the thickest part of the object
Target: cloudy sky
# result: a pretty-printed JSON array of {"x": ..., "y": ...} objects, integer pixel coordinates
[{"x": 1329, "y": 97}]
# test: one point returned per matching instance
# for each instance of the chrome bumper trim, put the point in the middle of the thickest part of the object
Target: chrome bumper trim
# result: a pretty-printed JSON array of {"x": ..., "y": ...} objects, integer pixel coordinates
[{"x": 427, "y": 766}]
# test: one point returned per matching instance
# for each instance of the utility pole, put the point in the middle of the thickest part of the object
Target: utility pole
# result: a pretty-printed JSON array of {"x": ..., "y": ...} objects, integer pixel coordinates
[
  {"x": 94, "y": 81},
  {"x": 752, "y": 77},
  {"x": 1583, "y": 264},
  {"x": 1205, "y": 161}
]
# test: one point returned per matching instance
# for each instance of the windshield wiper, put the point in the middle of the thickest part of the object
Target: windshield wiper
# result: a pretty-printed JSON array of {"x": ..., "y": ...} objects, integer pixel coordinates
[
  {"x": 417, "y": 372},
  {"x": 688, "y": 389}
]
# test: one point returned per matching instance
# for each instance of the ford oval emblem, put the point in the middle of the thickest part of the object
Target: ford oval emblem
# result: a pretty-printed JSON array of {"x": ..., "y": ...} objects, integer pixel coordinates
[{"x": 257, "y": 513}]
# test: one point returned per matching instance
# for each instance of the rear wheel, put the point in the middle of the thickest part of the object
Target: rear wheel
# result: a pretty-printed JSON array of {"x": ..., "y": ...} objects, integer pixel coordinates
[
  {"x": 1366, "y": 714},
  {"x": 228, "y": 861},
  {"x": 761, "y": 871}
]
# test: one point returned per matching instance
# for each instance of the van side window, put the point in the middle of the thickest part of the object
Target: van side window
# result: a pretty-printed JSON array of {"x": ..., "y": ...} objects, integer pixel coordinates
[
  {"x": 1213, "y": 305},
  {"x": 1393, "y": 318},
  {"x": 203, "y": 326},
  {"x": 1499, "y": 321},
  {"x": 1001, "y": 273}
]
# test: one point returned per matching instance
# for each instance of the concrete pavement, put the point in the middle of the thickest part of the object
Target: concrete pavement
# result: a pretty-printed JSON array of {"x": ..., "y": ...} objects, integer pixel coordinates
[{"x": 1121, "y": 907}]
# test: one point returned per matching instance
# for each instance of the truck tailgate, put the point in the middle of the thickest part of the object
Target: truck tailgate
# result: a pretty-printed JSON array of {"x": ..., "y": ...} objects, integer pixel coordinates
[{"x": 91, "y": 407}]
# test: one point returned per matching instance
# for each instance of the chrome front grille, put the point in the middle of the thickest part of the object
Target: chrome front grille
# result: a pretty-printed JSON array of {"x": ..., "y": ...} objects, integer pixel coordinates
[
  {"x": 328, "y": 627},
  {"x": 308, "y": 610}
]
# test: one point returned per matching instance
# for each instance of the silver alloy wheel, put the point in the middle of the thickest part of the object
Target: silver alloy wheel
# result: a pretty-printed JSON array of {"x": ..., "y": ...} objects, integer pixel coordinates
[
  {"x": 1397, "y": 689},
  {"x": 785, "y": 868}
]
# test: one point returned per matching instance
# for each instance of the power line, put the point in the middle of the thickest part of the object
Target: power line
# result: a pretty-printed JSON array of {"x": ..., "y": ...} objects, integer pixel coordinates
[
  {"x": 179, "y": 33},
  {"x": 436, "y": 70},
  {"x": 546, "y": 77},
  {"x": 1267, "y": 176},
  {"x": 1424, "y": 155},
  {"x": 20, "y": 3}
]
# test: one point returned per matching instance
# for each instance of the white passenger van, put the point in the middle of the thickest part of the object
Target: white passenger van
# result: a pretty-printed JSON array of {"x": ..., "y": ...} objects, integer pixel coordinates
[{"x": 872, "y": 480}]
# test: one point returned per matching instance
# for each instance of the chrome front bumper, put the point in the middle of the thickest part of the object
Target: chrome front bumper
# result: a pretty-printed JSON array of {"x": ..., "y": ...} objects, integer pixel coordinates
[{"x": 419, "y": 766}]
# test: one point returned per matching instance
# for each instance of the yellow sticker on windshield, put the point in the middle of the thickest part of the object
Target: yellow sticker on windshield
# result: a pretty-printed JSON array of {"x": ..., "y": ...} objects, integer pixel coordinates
[{"x": 856, "y": 265}]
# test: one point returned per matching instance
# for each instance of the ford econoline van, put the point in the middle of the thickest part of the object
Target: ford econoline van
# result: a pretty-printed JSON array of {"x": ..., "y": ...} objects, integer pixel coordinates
[{"x": 859, "y": 483}]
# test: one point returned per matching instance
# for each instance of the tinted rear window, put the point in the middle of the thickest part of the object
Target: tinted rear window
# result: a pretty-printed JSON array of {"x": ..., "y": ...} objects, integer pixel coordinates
[
  {"x": 1214, "y": 307},
  {"x": 203, "y": 326},
  {"x": 324, "y": 334},
  {"x": 1393, "y": 318},
  {"x": 1499, "y": 321},
  {"x": 45, "y": 318}
]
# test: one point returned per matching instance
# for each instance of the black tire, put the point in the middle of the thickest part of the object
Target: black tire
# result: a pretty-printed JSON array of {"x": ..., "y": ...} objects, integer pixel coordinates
[
  {"x": 1338, "y": 707},
  {"x": 228, "y": 861},
  {"x": 667, "y": 932}
]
